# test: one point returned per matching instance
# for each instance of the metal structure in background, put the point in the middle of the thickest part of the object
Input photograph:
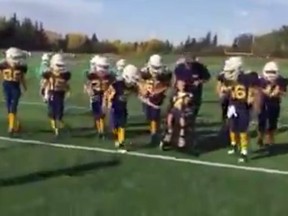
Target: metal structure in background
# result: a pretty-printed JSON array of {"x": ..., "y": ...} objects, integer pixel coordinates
[{"x": 240, "y": 53}]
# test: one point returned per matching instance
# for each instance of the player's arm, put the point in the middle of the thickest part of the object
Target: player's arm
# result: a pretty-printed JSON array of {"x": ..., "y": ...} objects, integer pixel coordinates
[
  {"x": 2, "y": 67},
  {"x": 86, "y": 86},
  {"x": 67, "y": 77},
  {"x": 170, "y": 103},
  {"x": 87, "y": 82},
  {"x": 219, "y": 88},
  {"x": 141, "y": 85},
  {"x": 44, "y": 83},
  {"x": 255, "y": 98},
  {"x": 282, "y": 87},
  {"x": 219, "y": 85},
  {"x": 23, "y": 77},
  {"x": 108, "y": 96},
  {"x": 205, "y": 75}
]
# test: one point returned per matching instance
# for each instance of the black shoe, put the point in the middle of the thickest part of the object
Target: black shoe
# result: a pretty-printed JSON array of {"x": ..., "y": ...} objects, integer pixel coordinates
[
  {"x": 243, "y": 158},
  {"x": 101, "y": 136},
  {"x": 121, "y": 147}
]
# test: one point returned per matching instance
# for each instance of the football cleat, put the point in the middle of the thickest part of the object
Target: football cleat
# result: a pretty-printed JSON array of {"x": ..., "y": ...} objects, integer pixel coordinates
[
  {"x": 243, "y": 158},
  {"x": 233, "y": 150},
  {"x": 120, "y": 147},
  {"x": 181, "y": 142},
  {"x": 101, "y": 136}
]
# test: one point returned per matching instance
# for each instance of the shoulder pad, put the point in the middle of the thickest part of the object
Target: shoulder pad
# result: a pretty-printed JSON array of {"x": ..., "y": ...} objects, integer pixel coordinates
[
  {"x": 47, "y": 74},
  {"x": 165, "y": 76},
  {"x": 220, "y": 77},
  {"x": 66, "y": 75},
  {"x": 23, "y": 68},
  {"x": 91, "y": 76},
  {"x": 145, "y": 75},
  {"x": 282, "y": 81},
  {"x": 3, "y": 65}
]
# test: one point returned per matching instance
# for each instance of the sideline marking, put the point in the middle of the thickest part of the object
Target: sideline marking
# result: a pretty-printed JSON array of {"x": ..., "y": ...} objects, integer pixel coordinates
[
  {"x": 145, "y": 155},
  {"x": 139, "y": 154}
]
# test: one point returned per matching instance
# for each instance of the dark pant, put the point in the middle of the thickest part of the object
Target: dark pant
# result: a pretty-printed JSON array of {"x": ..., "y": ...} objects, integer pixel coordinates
[
  {"x": 56, "y": 105},
  {"x": 152, "y": 114},
  {"x": 118, "y": 118},
  {"x": 268, "y": 117},
  {"x": 12, "y": 93},
  {"x": 96, "y": 108},
  {"x": 224, "y": 108},
  {"x": 240, "y": 124}
]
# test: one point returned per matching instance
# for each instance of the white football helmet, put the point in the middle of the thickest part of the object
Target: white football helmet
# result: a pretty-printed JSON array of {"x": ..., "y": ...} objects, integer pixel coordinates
[
  {"x": 93, "y": 62},
  {"x": 45, "y": 58},
  {"x": 181, "y": 60},
  {"x": 120, "y": 64},
  {"x": 58, "y": 64},
  {"x": 155, "y": 64},
  {"x": 130, "y": 74},
  {"x": 102, "y": 64},
  {"x": 15, "y": 56},
  {"x": 270, "y": 71},
  {"x": 232, "y": 68}
]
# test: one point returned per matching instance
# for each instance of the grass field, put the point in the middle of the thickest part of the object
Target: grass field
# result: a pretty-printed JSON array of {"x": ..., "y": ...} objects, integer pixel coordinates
[{"x": 79, "y": 175}]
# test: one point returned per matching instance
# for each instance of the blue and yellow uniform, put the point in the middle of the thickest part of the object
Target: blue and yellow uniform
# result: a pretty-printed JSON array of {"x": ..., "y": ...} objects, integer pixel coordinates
[
  {"x": 223, "y": 89},
  {"x": 13, "y": 77},
  {"x": 194, "y": 74},
  {"x": 270, "y": 108},
  {"x": 96, "y": 86},
  {"x": 154, "y": 86},
  {"x": 179, "y": 116},
  {"x": 56, "y": 85},
  {"x": 243, "y": 96},
  {"x": 116, "y": 99}
]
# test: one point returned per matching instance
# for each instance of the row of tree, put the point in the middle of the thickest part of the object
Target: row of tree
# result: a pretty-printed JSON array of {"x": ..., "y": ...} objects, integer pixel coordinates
[{"x": 31, "y": 35}]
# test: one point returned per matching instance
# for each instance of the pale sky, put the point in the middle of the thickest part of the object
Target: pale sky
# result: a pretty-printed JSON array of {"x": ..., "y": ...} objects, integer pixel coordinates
[{"x": 144, "y": 19}]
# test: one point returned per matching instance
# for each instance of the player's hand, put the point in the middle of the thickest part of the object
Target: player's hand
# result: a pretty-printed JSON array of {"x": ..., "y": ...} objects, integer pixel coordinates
[
  {"x": 197, "y": 83},
  {"x": 68, "y": 94}
]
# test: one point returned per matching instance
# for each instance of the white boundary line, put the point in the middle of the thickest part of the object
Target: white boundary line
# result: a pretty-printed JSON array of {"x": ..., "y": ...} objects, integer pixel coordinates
[
  {"x": 139, "y": 154},
  {"x": 145, "y": 155}
]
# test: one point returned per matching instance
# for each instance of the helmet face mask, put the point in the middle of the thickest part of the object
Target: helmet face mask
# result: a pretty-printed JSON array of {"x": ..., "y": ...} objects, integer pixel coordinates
[
  {"x": 102, "y": 65},
  {"x": 58, "y": 64},
  {"x": 130, "y": 75},
  {"x": 232, "y": 68},
  {"x": 155, "y": 64},
  {"x": 120, "y": 64},
  {"x": 271, "y": 71}
]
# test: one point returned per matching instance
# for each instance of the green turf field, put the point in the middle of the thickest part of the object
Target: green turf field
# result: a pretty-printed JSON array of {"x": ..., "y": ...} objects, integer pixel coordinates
[{"x": 79, "y": 175}]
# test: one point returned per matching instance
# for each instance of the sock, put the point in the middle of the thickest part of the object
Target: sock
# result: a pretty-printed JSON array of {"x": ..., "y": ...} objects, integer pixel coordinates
[
  {"x": 18, "y": 125},
  {"x": 11, "y": 119},
  {"x": 53, "y": 123},
  {"x": 233, "y": 138},
  {"x": 121, "y": 135},
  {"x": 260, "y": 135},
  {"x": 182, "y": 132},
  {"x": 153, "y": 127},
  {"x": 97, "y": 125},
  {"x": 244, "y": 142},
  {"x": 270, "y": 137},
  {"x": 61, "y": 124},
  {"x": 115, "y": 132},
  {"x": 101, "y": 125}
]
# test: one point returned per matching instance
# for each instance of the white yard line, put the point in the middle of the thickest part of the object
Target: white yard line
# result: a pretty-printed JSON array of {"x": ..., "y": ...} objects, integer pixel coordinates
[
  {"x": 145, "y": 155},
  {"x": 139, "y": 154}
]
